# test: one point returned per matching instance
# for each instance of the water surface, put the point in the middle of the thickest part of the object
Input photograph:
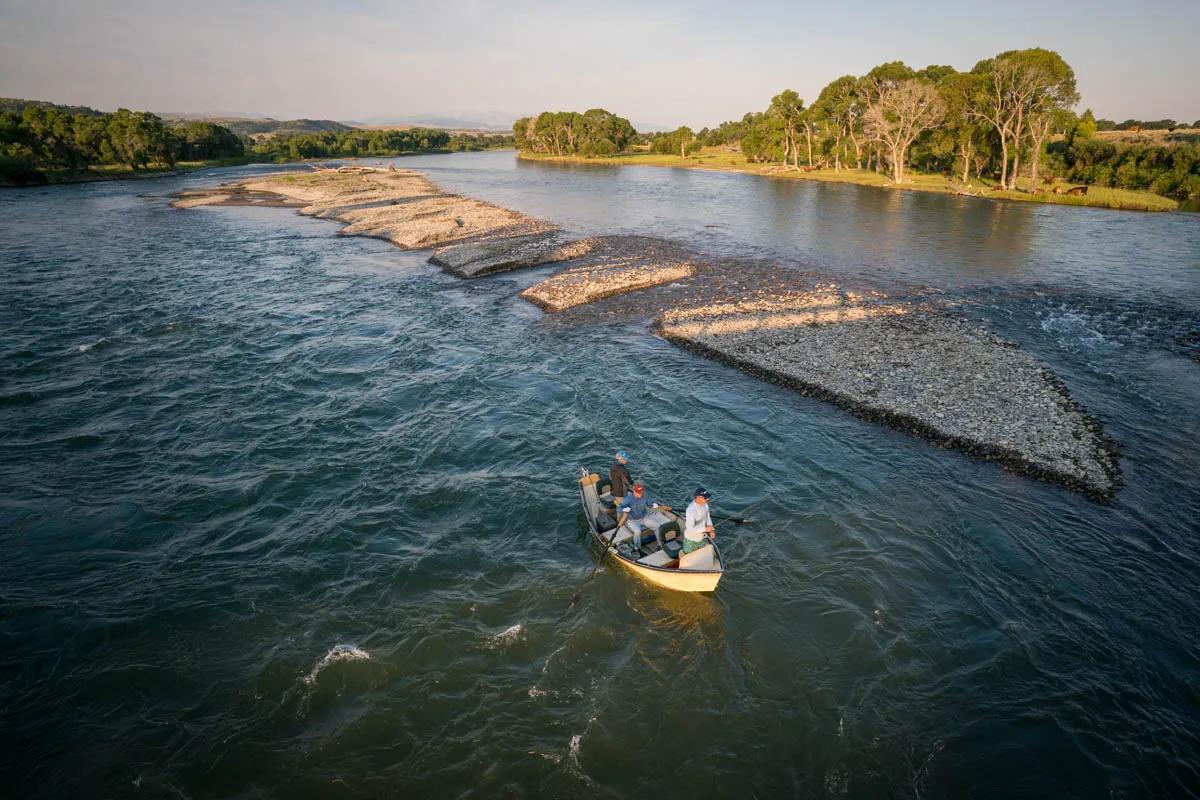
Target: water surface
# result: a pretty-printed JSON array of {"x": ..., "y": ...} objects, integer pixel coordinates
[{"x": 291, "y": 514}]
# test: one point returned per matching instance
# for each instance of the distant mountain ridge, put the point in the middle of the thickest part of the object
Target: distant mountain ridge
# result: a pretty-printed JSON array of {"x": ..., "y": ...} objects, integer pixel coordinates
[
  {"x": 267, "y": 126},
  {"x": 19, "y": 104},
  {"x": 490, "y": 120}
]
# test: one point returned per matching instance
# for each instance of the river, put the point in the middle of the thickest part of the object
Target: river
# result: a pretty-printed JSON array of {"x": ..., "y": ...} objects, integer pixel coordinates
[{"x": 287, "y": 514}]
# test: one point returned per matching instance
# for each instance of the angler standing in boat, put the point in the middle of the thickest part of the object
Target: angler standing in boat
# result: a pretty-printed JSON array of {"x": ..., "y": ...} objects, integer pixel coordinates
[
  {"x": 619, "y": 478},
  {"x": 638, "y": 511},
  {"x": 698, "y": 527}
]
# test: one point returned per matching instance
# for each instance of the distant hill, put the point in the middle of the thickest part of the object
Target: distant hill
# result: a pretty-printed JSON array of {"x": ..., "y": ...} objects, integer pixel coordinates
[
  {"x": 266, "y": 126},
  {"x": 485, "y": 121},
  {"x": 18, "y": 105}
]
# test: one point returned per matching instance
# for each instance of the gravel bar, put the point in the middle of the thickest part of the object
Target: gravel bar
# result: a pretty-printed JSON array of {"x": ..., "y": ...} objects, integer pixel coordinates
[
  {"x": 928, "y": 373},
  {"x": 401, "y": 206}
]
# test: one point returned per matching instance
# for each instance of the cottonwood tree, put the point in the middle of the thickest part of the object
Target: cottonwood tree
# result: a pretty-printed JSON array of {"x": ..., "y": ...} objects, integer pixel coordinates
[
  {"x": 899, "y": 114},
  {"x": 957, "y": 91},
  {"x": 594, "y": 132},
  {"x": 681, "y": 141},
  {"x": 839, "y": 106},
  {"x": 789, "y": 109},
  {"x": 1017, "y": 88}
]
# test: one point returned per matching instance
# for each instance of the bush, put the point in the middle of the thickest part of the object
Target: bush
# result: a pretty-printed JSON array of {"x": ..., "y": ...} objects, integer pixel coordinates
[{"x": 20, "y": 171}]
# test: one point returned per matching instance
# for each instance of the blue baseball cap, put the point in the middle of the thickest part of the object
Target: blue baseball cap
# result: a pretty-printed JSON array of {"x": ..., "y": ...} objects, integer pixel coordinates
[
  {"x": 623, "y": 454},
  {"x": 702, "y": 492}
]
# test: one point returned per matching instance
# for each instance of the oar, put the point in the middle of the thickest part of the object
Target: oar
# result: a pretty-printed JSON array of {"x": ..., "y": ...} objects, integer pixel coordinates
[{"x": 595, "y": 569}]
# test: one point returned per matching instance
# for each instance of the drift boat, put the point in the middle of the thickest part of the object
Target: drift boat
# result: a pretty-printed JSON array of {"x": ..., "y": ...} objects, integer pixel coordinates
[{"x": 668, "y": 566}]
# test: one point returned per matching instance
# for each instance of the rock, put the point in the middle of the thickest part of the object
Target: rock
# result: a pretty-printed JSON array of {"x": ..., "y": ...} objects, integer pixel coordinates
[
  {"x": 401, "y": 206},
  {"x": 614, "y": 265},
  {"x": 489, "y": 256}
]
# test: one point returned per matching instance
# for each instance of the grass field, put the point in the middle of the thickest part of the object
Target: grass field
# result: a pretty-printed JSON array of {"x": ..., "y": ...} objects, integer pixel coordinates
[
  {"x": 723, "y": 159},
  {"x": 1159, "y": 138}
]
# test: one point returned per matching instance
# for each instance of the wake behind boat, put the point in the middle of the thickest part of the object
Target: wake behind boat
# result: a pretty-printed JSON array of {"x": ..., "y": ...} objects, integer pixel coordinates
[{"x": 666, "y": 566}]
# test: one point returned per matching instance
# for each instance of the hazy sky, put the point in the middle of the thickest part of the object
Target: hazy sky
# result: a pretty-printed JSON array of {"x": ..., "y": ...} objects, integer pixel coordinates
[{"x": 695, "y": 62}]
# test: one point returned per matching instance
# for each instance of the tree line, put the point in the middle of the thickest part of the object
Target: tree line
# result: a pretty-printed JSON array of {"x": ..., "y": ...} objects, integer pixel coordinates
[
  {"x": 1007, "y": 118},
  {"x": 44, "y": 137},
  {"x": 351, "y": 143},
  {"x": 1143, "y": 125},
  {"x": 38, "y": 137},
  {"x": 364, "y": 143},
  {"x": 593, "y": 133}
]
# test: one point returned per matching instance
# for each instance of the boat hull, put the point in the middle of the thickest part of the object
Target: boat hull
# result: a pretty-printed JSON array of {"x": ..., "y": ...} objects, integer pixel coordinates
[{"x": 680, "y": 580}]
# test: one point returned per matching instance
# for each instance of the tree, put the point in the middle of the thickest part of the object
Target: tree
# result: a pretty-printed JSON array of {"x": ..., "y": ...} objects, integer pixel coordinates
[
  {"x": 957, "y": 91},
  {"x": 1017, "y": 87},
  {"x": 789, "y": 108},
  {"x": 1085, "y": 127},
  {"x": 681, "y": 140},
  {"x": 595, "y": 132},
  {"x": 840, "y": 108},
  {"x": 1043, "y": 122},
  {"x": 899, "y": 114}
]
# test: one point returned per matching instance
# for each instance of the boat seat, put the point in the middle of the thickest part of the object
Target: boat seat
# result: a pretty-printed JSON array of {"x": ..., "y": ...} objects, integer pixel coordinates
[
  {"x": 624, "y": 535},
  {"x": 670, "y": 530},
  {"x": 658, "y": 558},
  {"x": 698, "y": 559}
]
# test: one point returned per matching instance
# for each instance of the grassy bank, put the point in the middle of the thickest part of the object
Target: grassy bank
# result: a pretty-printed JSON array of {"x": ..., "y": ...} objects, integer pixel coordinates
[
  {"x": 112, "y": 172},
  {"x": 724, "y": 160}
]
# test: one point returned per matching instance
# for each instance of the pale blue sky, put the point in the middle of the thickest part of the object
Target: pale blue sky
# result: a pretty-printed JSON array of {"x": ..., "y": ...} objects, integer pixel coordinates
[{"x": 696, "y": 63}]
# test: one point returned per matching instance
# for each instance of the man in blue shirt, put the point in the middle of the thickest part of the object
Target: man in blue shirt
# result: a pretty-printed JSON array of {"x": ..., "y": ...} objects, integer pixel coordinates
[{"x": 639, "y": 511}]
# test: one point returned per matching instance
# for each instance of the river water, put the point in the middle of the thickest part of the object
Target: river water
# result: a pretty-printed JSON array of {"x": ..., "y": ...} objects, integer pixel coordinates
[{"x": 287, "y": 514}]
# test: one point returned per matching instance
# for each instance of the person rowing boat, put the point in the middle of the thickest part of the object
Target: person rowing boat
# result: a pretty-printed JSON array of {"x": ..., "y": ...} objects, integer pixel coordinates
[{"x": 639, "y": 510}]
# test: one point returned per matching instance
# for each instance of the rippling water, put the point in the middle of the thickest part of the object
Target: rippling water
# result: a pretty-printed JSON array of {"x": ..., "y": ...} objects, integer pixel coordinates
[{"x": 288, "y": 514}]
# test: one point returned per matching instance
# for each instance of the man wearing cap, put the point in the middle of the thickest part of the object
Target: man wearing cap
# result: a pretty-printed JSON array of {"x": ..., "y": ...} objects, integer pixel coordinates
[
  {"x": 618, "y": 476},
  {"x": 698, "y": 525},
  {"x": 639, "y": 510}
]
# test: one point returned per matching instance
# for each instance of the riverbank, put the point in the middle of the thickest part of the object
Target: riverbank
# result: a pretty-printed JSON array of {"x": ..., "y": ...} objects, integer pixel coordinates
[
  {"x": 723, "y": 160},
  {"x": 116, "y": 172},
  {"x": 119, "y": 172}
]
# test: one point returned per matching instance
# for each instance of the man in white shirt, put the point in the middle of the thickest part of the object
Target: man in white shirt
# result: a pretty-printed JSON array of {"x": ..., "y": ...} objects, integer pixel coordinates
[{"x": 698, "y": 527}]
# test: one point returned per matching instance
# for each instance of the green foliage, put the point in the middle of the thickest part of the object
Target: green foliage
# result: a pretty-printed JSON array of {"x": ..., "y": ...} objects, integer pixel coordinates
[
  {"x": 595, "y": 132},
  {"x": 1169, "y": 170},
  {"x": 45, "y": 137},
  {"x": 354, "y": 143},
  {"x": 18, "y": 105},
  {"x": 1042, "y": 135},
  {"x": 1085, "y": 127},
  {"x": 680, "y": 142}
]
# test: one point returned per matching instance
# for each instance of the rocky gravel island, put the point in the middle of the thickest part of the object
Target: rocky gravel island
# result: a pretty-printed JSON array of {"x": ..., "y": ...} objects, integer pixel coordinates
[
  {"x": 896, "y": 361},
  {"x": 923, "y": 371}
]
